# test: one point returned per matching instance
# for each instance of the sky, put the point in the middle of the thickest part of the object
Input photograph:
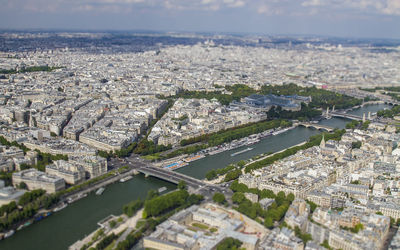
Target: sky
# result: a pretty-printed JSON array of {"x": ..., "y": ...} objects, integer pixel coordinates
[{"x": 342, "y": 18}]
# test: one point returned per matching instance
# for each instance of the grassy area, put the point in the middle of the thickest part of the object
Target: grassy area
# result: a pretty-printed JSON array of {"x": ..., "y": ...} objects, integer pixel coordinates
[
  {"x": 140, "y": 223},
  {"x": 152, "y": 157},
  {"x": 213, "y": 230},
  {"x": 201, "y": 226}
]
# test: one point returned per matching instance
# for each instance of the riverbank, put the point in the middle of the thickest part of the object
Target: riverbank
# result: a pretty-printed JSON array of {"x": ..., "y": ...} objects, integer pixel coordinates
[
  {"x": 68, "y": 197},
  {"x": 221, "y": 178},
  {"x": 270, "y": 155},
  {"x": 125, "y": 227},
  {"x": 184, "y": 160}
]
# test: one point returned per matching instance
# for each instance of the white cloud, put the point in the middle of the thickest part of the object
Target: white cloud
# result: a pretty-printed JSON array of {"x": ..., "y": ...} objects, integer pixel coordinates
[
  {"x": 312, "y": 3},
  {"x": 269, "y": 10},
  {"x": 392, "y": 7},
  {"x": 207, "y": 1},
  {"x": 366, "y": 7},
  {"x": 265, "y": 7}
]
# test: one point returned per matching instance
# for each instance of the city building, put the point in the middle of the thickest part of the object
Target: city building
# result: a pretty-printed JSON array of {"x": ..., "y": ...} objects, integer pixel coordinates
[{"x": 35, "y": 179}]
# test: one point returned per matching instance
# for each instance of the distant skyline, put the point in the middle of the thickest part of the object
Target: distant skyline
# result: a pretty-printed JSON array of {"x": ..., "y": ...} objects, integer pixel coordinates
[{"x": 344, "y": 18}]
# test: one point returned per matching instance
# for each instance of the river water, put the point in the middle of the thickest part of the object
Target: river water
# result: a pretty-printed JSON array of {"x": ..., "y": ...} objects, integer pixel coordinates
[{"x": 63, "y": 228}]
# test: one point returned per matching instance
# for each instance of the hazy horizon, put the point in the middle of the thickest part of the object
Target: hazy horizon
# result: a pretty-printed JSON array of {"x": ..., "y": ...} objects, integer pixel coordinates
[{"x": 334, "y": 18}]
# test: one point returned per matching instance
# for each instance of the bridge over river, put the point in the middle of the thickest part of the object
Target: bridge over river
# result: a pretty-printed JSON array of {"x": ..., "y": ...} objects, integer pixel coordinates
[
  {"x": 170, "y": 176},
  {"x": 352, "y": 117},
  {"x": 316, "y": 126},
  {"x": 196, "y": 185}
]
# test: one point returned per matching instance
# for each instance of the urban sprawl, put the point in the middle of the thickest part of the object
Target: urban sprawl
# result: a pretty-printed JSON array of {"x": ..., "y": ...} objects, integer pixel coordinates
[{"x": 71, "y": 116}]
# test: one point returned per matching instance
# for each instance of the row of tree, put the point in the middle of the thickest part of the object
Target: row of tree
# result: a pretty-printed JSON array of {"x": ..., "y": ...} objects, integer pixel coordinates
[
  {"x": 358, "y": 124},
  {"x": 389, "y": 113},
  {"x": 146, "y": 147},
  {"x": 132, "y": 207},
  {"x": 28, "y": 69},
  {"x": 312, "y": 141},
  {"x": 5, "y": 142},
  {"x": 321, "y": 98},
  {"x": 231, "y": 134},
  {"x": 123, "y": 152},
  {"x": 160, "y": 204},
  {"x": 238, "y": 91},
  {"x": 225, "y": 136},
  {"x": 28, "y": 205},
  {"x": 214, "y": 173},
  {"x": 305, "y": 113}
]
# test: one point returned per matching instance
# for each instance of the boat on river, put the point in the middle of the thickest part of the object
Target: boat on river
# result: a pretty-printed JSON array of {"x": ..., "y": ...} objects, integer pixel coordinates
[
  {"x": 76, "y": 198},
  {"x": 9, "y": 234},
  {"x": 126, "y": 178},
  {"x": 241, "y": 152},
  {"x": 61, "y": 207},
  {"x": 100, "y": 191}
]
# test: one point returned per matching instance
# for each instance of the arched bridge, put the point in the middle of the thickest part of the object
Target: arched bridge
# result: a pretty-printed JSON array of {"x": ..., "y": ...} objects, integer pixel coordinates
[
  {"x": 316, "y": 126},
  {"x": 170, "y": 176},
  {"x": 350, "y": 116}
]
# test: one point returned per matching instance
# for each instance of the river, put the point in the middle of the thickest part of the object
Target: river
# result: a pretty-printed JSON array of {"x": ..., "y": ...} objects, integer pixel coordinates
[{"x": 65, "y": 227}]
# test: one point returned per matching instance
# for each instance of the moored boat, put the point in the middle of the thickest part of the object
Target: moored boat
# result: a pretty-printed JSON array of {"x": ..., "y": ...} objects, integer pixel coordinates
[
  {"x": 76, "y": 198},
  {"x": 100, "y": 191},
  {"x": 126, "y": 178},
  {"x": 9, "y": 234},
  {"x": 61, "y": 207},
  {"x": 242, "y": 151}
]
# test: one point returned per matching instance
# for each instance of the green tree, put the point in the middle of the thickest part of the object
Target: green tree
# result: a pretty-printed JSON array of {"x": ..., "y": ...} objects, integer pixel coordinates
[
  {"x": 22, "y": 185},
  {"x": 266, "y": 193},
  {"x": 238, "y": 187},
  {"x": 132, "y": 207},
  {"x": 212, "y": 174},
  {"x": 182, "y": 185},
  {"x": 303, "y": 236},
  {"x": 241, "y": 163},
  {"x": 219, "y": 198},
  {"x": 290, "y": 197},
  {"x": 356, "y": 144},
  {"x": 229, "y": 244},
  {"x": 269, "y": 222},
  {"x": 232, "y": 175},
  {"x": 280, "y": 198},
  {"x": 112, "y": 223},
  {"x": 313, "y": 206},
  {"x": 161, "y": 204},
  {"x": 238, "y": 197},
  {"x": 152, "y": 194}
]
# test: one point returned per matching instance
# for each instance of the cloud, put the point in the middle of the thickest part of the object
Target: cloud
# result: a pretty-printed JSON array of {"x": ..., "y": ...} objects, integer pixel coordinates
[
  {"x": 234, "y": 3},
  {"x": 312, "y": 3},
  {"x": 274, "y": 7},
  {"x": 95, "y": 5},
  {"x": 261, "y": 7},
  {"x": 392, "y": 7},
  {"x": 366, "y": 7}
]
